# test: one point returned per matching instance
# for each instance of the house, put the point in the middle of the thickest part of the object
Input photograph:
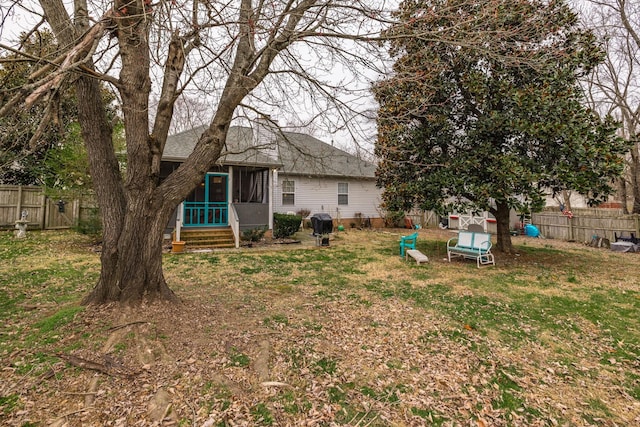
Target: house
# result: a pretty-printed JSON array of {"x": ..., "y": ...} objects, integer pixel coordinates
[
  {"x": 318, "y": 177},
  {"x": 264, "y": 170}
]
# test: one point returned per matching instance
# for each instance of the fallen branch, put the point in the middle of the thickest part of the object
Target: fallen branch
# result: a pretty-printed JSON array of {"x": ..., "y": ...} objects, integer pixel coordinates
[
  {"x": 82, "y": 393},
  {"x": 61, "y": 420},
  {"x": 274, "y": 384},
  {"x": 94, "y": 366},
  {"x": 115, "y": 328}
]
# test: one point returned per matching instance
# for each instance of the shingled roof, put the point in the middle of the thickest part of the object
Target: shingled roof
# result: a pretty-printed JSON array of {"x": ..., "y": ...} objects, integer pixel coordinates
[
  {"x": 297, "y": 153},
  {"x": 239, "y": 148}
]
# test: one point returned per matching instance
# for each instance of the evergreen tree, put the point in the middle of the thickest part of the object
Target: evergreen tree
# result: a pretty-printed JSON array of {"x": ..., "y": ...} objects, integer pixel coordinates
[
  {"x": 489, "y": 114},
  {"x": 24, "y": 142},
  {"x": 42, "y": 145}
]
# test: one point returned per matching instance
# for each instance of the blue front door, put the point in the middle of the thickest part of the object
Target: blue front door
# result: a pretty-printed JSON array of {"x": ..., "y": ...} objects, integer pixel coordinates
[{"x": 207, "y": 206}]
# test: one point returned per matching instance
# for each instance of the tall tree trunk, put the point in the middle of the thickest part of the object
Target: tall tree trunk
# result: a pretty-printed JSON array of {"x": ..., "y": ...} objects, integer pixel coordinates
[
  {"x": 135, "y": 209},
  {"x": 566, "y": 195},
  {"x": 502, "y": 215},
  {"x": 634, "y": 172},
  {"x": 132, "y": 249},
  {"x": 622, "y": 190},
  {"x": 134, "y": 270}
]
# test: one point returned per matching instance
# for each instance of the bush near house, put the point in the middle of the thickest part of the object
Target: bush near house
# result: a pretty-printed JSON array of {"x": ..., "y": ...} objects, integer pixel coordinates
[
  {"x": 285, "y": 225},
  {"x": 304, "y": 213},
  {"x": 254, "y": 234}
]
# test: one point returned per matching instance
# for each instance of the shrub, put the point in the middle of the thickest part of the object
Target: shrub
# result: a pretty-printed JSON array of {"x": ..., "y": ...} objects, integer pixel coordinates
[
  {"x": 285, "y": 225},
  {"x": 358, "y": 219},
  {"x": 304, "y": 213},
  {"x": 91, "y": 225},
  {"x": 393, "y": 218},
  {"x": 254, "y": 234}
]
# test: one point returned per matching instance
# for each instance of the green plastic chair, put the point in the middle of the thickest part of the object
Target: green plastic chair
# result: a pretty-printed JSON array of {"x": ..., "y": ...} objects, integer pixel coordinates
[{"x": 408, "y": 242}]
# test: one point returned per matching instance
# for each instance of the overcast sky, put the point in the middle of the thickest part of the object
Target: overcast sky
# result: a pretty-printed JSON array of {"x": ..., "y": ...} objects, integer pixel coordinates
[{"x": 16, "y": 18}]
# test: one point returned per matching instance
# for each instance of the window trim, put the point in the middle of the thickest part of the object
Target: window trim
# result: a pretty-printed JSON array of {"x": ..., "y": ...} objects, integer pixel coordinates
[
  {"x": 342, "y": 193},
  {"x": 289, "y": 192}
]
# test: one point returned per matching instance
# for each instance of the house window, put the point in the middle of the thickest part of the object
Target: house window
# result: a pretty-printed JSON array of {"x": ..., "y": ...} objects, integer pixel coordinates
[
  {"x": 288, "y": 192},
  {"x": 343, "y": 193}
]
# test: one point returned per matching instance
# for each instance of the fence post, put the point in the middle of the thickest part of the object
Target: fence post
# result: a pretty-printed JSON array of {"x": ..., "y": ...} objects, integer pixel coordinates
[
  {"x": 43, "y": 207},
  {"x": 637, "y": 218},
  {"x": 76, "y": 213},
  {"x": 19, "y": 203},
  {"x": 46, "y": 223},
  {"x": 570, "y": 222}
]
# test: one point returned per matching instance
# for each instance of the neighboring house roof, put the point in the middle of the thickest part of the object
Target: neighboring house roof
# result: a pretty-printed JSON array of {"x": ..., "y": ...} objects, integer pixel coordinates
[{"x": 297, "y": 153}]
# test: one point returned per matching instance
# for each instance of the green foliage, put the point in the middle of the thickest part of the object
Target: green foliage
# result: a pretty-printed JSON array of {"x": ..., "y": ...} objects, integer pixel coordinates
[
  {"x": 43, "y": 145},
  {"x": 66, "y": 164},
  {"x": 489, "y": 115},
  {"x": 9, "y": 402},
  {"x": 91, "y": 225},
  {"x": 285, "y": 225},
  {"x": 325, "y": 366},
  {"x": 254, "y": 234},
  {"x": 276, "y": 319},
  {"x": 429, "y": 415},
  {"x": 393, "y": 218},
  {"x": 262, "y": 415},
  {"x": 66, "y": 171},
  {"x": 238, "y": 358},
  {"x": 55, "y": 321},
  {"x": 24, "y": 140}
]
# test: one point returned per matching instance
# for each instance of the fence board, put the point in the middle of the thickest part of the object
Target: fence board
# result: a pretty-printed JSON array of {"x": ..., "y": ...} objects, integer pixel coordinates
[
  {"x": 56, "y": 219},
  {"x": 42, "y": 212},
  {"x": 17, "y": 199},
  {"x": 585, "y": 224}
]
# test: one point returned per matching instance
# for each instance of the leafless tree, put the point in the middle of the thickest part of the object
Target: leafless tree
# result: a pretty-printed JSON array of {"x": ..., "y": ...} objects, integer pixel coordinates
[
  {"x": 188, "y": 112},
  {"x": 240, "y": 57},
  {"x": 237, "y": 54},
  {"x": 614, "y": 87}
]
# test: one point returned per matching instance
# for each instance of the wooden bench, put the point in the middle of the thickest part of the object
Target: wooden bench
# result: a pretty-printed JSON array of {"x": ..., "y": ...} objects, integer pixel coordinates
[
  {"x": 408, "y": 242},
  {"x": 417, "y": 255},
  {"x": 472, "y": 245}
]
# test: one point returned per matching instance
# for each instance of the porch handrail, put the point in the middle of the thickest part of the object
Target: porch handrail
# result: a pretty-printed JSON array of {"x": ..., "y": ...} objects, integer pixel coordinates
[
  {"x": 205, "y": 213},
  {"x": 234, "y": 222}
]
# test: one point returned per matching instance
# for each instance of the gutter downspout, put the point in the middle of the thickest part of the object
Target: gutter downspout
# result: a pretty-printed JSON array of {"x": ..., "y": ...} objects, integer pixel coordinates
[
  {"x": 179, "y": 221},
  {"x": 274, "y": 184}
]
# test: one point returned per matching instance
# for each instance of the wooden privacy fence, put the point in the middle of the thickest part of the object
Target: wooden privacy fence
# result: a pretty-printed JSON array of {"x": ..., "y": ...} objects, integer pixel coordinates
[
  {"x": 41, "y": 211},
  {"x": 585, "y": 224}
]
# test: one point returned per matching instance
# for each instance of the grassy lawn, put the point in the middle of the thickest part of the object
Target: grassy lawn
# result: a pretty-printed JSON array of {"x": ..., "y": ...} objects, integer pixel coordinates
[{"x": 350, "y": 334}]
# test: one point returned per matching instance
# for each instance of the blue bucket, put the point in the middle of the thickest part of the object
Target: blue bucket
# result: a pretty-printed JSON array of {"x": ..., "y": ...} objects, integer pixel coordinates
[{"x": 531, "y": 230}]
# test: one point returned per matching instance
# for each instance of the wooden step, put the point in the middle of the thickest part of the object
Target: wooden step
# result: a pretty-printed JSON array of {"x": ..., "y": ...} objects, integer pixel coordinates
[{"x": 200, "y": 238}]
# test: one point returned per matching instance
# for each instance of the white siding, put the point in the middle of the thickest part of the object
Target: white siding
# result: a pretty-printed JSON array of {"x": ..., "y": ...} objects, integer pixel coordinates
[
  {"x": 577, "y": 201},
  {"x": 321, "y": 195}
]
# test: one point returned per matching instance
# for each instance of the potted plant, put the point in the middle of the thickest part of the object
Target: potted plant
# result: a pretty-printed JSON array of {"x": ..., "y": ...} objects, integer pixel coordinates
[{"x": 177, "y": 246}]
